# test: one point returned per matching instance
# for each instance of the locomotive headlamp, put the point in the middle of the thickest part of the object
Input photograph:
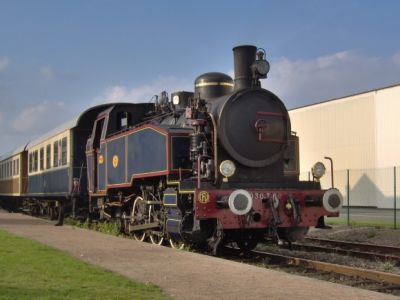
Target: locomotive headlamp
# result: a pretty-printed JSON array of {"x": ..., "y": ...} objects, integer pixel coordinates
[
  {"x": 227, "y": 168},
  {"x": 261, "y": 66},
  {"x": 318, "y": 170},
  {"x": 175, "y": 100}
]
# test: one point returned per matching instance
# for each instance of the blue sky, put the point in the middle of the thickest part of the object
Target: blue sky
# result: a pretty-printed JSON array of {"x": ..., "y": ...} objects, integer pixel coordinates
[{"x": 60, "y": 57}]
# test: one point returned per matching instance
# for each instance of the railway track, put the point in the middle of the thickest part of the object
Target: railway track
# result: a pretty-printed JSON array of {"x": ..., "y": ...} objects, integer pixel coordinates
[{"x": 339, "y": 272}]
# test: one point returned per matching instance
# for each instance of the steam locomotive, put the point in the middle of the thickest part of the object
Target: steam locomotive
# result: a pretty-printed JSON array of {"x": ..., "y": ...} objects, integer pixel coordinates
[{"x": 205, "y": 168}]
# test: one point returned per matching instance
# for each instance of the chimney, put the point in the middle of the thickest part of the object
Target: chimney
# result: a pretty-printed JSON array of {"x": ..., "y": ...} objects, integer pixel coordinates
[{"x": 244, "y": 56}]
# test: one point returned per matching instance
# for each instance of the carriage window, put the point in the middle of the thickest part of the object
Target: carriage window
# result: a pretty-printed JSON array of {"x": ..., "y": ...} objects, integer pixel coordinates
[
  {"x": 30, "y": 162},
  {"x": 35, "y": 161},
  {"x": 48, "y": 156},
  {"x": 55, "y": 154},
  {"x": 64, "y": 151},
  {"x": 41, "y": 159}
]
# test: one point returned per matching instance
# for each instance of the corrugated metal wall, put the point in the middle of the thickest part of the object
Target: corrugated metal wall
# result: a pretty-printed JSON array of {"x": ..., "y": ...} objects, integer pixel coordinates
[{"x": 360, "y": 133}]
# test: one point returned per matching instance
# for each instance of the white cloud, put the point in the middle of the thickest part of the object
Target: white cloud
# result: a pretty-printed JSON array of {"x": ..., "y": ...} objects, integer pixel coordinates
[
  {"x": 46, "y": 72},
  {"x": 300, "y": 82},
  {"x": 143, "y": 93},
  {"x": 396, "y": 58},
  {"x": 4, "y": 62},
  {"x": 326, "y": 61},
  {"x": 39, "y": 118},
  {"x": 296, "y": 81}
]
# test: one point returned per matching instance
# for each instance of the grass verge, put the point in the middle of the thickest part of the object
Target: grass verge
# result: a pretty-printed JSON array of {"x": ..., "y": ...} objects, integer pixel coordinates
[
  {"x": 29, "y": 270},
  {"x": 104, "y": 227}
]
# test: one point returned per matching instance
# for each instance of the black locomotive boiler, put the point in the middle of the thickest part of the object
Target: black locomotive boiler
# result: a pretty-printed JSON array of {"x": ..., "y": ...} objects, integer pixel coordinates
[{"x": 205, "y": 168}]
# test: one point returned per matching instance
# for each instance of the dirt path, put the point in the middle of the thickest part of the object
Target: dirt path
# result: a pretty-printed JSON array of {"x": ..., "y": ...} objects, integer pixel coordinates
[{"x": 183, "y": 275}]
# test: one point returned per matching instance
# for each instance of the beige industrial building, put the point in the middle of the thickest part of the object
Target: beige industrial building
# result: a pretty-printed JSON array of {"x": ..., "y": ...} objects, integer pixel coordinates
[{"x": 361, "y": 134}]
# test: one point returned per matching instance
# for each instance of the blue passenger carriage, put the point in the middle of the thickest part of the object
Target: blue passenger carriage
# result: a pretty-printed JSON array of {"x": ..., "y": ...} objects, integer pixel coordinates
[{"x": 56, "y": 165}]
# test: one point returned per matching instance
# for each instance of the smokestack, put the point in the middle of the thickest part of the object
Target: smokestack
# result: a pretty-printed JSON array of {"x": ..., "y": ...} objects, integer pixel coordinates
[{"x": 244, "y": 57}]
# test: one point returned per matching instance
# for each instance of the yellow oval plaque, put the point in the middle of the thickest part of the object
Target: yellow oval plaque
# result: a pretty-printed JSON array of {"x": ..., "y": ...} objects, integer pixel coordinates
[{"x": 115, "y": 161}]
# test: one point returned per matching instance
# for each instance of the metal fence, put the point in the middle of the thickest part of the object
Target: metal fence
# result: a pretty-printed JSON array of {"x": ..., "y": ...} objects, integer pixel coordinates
[{"x": 368, "y": 194}]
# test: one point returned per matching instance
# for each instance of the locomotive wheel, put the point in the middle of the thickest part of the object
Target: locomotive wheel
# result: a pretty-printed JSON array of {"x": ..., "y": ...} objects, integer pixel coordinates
[
  {"x": 176, "y": 244},
  {"x": 156, "y": 238},
  {"x": 138, "y": 217},
  {"x": 247, "y": 244}
]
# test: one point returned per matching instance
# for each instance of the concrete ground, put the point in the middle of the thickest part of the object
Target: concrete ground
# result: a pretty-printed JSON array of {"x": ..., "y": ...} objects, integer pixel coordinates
[{"x": 181, "y": 274}]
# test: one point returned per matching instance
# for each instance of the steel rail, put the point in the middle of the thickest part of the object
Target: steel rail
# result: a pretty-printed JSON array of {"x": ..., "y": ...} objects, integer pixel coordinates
[
  {"x": 350, "y": 252},
  {"x": 376, "y": 276},
  {"x": 361, "y": 246}
]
